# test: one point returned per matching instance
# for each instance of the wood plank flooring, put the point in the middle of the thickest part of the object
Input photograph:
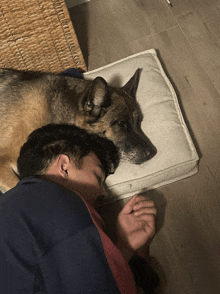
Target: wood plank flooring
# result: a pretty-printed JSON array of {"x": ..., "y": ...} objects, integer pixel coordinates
[{"x": 186, "y": 36}]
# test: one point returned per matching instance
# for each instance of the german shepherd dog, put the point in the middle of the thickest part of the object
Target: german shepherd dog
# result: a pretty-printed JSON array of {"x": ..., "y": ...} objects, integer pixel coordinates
[{"x": 29, "y": 100}]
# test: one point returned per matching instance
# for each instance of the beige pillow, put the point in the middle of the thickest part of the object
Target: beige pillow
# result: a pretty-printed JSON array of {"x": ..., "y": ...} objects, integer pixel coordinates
[{"x": 163, "y": 123}]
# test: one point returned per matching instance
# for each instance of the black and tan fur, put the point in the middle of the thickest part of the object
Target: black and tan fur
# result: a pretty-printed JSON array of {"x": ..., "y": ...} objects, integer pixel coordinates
[{"x": 29, "y": 100}]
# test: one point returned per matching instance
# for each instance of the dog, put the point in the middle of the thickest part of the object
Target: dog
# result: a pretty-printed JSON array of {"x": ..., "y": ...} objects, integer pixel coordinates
[{"x": 29, "y": 100}]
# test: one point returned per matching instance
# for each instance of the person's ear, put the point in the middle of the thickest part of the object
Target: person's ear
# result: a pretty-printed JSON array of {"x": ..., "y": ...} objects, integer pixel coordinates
[{"x": 63, "y": 163}]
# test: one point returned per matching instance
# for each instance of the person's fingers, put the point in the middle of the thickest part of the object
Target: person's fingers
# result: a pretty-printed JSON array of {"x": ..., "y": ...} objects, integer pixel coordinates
[
  {"x": 143, "y": 203},
  {"x": 146, "y": 219},
  {"x": 141, "y": 198},
  {"x": 145, "y": 210},
  {"x": 129, "y": 205},
  {"x": 149, "y": 225}
]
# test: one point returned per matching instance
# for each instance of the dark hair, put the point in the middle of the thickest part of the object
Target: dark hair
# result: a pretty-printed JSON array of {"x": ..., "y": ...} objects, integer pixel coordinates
[{"x": 45, "y": 144}]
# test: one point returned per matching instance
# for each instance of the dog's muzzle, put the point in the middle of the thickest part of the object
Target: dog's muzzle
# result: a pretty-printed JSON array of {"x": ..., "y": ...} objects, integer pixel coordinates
[{"x": 145, "y": 155}]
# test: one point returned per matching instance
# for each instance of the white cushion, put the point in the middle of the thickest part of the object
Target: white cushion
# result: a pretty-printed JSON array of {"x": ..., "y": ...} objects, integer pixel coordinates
[{"x": 163, "y": 123}]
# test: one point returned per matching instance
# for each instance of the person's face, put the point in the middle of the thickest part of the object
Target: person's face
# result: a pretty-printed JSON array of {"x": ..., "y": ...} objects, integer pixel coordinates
[{"x": 88, "y": 180}]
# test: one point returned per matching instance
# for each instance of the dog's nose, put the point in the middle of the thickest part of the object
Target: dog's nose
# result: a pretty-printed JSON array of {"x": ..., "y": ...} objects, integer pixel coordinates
[
  {"x": 150, "y": 153},
  {"x": 145, "y": 155}
]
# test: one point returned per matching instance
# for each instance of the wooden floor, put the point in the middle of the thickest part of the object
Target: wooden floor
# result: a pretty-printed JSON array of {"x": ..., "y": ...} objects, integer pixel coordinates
[{"x": 186, "y": 36}]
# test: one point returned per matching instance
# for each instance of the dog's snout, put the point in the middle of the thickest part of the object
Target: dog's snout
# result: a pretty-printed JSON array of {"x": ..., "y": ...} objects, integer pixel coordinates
[
  {"x": 150, "y": 153},
  {"x": 145, "y": 155}
]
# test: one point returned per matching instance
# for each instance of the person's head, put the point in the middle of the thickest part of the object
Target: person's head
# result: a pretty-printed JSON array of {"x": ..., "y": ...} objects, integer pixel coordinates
[{"x": 69, "y": 156}]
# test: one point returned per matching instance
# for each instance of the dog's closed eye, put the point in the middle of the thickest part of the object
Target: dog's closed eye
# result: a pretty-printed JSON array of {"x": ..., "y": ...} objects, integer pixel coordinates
[{"x": 120, "y": 123}]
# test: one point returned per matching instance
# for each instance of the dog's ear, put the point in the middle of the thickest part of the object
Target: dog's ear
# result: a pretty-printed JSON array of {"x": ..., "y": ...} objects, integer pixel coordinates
[
  {"x": 98, "y": 98},
  {"x": 131, "y": 86}
]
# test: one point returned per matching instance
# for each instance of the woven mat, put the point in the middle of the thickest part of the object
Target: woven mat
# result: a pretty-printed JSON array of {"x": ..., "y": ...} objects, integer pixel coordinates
[{"x": 38, "y": 35}]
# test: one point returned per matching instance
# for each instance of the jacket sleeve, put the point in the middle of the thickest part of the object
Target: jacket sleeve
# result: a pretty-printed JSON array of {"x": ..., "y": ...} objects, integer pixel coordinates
[
  {"x": 78, "y": 265},
  {"x": 52, "y": 250},
  {"x": 74, "y": 265}
]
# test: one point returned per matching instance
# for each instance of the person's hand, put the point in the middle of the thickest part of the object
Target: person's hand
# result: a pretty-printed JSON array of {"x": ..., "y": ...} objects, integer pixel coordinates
[{"x": 135, "y": 225}]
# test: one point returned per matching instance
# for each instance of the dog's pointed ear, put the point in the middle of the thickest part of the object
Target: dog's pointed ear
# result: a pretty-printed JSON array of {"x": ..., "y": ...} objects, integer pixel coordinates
[
  {"x": 98, "y": 98},
  {"x": 131, "y": 86}
]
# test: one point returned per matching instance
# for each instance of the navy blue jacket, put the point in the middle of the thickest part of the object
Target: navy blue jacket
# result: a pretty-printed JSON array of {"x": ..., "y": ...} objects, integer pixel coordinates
[{"x": 49, "y": 243}]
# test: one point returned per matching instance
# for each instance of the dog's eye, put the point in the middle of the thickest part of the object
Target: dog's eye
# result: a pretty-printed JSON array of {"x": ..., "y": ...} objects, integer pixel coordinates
[{"x": 122, "y": 124}]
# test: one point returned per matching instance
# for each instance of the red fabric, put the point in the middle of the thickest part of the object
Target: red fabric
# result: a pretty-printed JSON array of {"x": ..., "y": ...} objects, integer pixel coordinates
[{"x": 119, "y": 266}]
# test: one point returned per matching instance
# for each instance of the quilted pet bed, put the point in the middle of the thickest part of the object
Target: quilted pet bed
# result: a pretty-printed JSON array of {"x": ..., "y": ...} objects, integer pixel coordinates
[{"x": 163, "y": 123}]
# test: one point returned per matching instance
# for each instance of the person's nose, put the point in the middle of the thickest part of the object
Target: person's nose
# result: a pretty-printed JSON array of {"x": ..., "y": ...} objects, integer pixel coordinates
[{"x": 103, "y": 191}]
